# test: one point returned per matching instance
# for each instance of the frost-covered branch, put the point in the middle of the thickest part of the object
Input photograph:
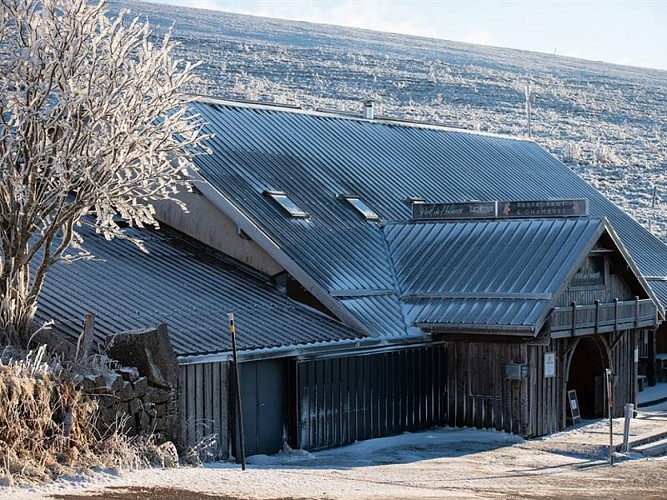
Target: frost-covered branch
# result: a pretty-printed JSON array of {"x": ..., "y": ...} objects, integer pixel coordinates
[{"x": 93, "y": 119}]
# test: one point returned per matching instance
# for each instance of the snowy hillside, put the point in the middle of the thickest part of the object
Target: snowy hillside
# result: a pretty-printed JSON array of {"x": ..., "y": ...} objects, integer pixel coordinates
[{"x": 608, "y": 122}]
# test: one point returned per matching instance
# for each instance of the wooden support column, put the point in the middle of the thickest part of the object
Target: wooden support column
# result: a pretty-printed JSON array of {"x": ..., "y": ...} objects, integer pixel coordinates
[{"x": 650, "y": 369}]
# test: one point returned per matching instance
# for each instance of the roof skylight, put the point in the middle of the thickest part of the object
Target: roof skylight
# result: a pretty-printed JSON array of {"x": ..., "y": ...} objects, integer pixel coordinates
[
  {"x": 287, "y": 204},
  {"x": 411, "y": 200},
  {"x": 361, "y": 207}
]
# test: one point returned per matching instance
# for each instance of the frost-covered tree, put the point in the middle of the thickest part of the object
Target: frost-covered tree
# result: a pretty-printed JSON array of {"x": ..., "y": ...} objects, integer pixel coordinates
[{"x": 92, "y": 120}]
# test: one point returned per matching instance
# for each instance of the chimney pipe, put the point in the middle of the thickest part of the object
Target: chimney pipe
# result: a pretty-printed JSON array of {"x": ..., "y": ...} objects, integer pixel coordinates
[{"x": 369, "y": 109}]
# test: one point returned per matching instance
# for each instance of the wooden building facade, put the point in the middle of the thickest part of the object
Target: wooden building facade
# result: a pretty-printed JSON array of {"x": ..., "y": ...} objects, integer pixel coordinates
[
  {"x": 521, "y": 386},
  {"x": 479, "y": 314}
]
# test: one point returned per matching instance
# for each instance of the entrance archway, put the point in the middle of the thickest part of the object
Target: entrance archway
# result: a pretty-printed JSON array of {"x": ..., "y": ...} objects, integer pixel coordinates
[{"x": 586, "y": 376}]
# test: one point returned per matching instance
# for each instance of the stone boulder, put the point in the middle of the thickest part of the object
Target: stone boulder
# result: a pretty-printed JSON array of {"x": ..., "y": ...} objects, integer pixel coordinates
[{"x": 149, "y": 351}]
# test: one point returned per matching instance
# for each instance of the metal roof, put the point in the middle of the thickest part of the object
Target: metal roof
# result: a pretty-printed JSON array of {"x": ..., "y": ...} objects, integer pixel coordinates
[
  {"x": 314, "y": 158},
  {"x": 503, "y": 274},
  {"x": 184, "y": 284}
]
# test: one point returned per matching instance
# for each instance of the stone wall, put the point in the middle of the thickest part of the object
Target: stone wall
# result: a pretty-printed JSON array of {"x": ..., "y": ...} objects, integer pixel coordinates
[
  {"x": 143, "y": 394},
  {"x": 126, "y": 397}
]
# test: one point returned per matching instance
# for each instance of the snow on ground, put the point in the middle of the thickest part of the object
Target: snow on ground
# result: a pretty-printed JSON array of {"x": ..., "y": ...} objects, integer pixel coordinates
[
  {"x": 438, "y": 463},
  {"x": 656, "y": 393}
]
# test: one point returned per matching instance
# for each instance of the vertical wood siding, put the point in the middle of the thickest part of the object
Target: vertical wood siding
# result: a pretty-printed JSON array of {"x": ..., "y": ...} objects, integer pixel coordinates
[
  {"x": 479, "y": 395},
  {"x": 342, "y": 400},
  {"x": 624, "y": 369},
  {"x": 615, "y": 288},
  {"x": 547, "y": 394},
  {"x": 204, "y": 405}
]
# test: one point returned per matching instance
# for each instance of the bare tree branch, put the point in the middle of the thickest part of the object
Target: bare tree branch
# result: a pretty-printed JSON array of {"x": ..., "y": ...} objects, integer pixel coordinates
[{"x": 93, "y": 119}]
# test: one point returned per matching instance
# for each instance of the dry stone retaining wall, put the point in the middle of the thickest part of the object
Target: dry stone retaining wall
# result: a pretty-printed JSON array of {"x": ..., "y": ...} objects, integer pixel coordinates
[
  {"x": 126, "y": 397},
  {"x": 145, "y": 390}
]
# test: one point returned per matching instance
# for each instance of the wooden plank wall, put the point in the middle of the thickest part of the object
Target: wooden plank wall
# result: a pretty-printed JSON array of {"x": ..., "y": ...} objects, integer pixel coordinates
[
  {"x": 478, "y": 393},
  {"x": 342, "y": 400},
  {"x": 204, "y": 405},
  {"x": 548, "y": 405},
  {"x": 547, "y": 394},
  {"x": 624, "y": 369},
  {"x": 480, "y": 396},
  {"x": 615, "y": 288}
]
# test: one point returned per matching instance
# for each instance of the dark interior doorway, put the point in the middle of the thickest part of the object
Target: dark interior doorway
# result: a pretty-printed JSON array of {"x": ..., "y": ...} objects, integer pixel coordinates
[{"x": 586, "y": 376}]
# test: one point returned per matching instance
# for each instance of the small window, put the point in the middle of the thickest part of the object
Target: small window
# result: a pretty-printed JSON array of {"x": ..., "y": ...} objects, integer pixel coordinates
[
  {"x": 286, "y": 204},
  {"x": 413, "y": 200},
  {"x": 361, "y": 207}
]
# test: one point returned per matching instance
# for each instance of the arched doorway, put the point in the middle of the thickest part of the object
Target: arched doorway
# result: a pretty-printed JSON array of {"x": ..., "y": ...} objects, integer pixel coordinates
[{"x": 586, "y": 376}]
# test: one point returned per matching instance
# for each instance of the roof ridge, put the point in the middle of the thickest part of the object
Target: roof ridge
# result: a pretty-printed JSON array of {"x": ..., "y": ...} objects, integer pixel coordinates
[{"x": 348, "y": 115}]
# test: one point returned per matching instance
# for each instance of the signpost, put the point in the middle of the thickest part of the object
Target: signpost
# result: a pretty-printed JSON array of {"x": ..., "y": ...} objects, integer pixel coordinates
[
  {"x": 608, "y": 381},
  {"x": 239, "y": 411}
]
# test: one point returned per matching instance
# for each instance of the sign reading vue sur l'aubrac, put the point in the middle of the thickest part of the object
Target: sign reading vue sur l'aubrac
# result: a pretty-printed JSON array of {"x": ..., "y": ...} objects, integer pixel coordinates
[{"x": 500, "y": 209}]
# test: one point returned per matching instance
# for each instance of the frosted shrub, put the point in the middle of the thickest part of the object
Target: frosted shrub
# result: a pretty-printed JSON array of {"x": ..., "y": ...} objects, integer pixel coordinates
[
  {"x": 92, "y": 119},
  {"x": 572, "y": 152},
  {"x": 603, "y": 154}
]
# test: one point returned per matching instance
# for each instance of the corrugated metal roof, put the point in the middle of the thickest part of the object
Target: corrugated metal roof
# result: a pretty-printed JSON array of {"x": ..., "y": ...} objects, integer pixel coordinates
[
  {"x": 503, "y": 273},
  {"x": 315, "y": 157},
  {"x": 659, "y": 287},
  {"x": 181, "y": 283}
]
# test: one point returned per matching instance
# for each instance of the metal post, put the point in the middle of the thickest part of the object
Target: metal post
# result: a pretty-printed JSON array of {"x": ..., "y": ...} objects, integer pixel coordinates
[
  {"x": 629, "y": 412},
  {"x": 529, "y": 96},
  {"x": 239, "y": 411},
  {"x": 609, "y": 410}
]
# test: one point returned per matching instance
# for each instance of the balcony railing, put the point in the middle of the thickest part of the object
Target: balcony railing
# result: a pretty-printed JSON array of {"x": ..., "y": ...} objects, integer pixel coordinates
[{"x": 601, "y": 318}]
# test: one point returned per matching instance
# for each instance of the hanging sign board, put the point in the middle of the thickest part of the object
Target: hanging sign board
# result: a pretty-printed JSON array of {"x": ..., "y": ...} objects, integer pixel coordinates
[
  {"x": 574, "y": 406},
  {"x": 500, "y": 210},
  {"x": 543, "y": 208},
  {"x": 454, "y": 211},
  {"x": 591, "y": 272},
  {"x": 549, "y": 364}
]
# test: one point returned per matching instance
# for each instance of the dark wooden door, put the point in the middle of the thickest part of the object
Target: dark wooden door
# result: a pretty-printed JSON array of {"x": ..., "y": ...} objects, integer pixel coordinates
[{"x": 263, "y": 392}]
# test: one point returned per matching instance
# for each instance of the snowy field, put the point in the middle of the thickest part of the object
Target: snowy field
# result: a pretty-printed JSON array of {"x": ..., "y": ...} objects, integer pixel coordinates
[
  {"x": 441, "y": 463},
  {"x": 608, "y": 122}
]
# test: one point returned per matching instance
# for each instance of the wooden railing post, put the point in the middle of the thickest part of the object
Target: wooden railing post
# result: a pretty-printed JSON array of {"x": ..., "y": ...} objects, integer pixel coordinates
[
  {"x": 574, "y": 317},
  {"x": 597, "y": 315},
  {"x": 636, "y": 311},
  {"x": 616, "y": 315}
]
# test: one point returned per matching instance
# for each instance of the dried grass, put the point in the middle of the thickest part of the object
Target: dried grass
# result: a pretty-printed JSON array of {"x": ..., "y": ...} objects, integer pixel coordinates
[{"x": 48, "y": 425}]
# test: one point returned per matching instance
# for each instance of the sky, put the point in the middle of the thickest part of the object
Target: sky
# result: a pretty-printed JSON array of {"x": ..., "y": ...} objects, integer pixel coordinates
[{"x": 622, "y": 32}]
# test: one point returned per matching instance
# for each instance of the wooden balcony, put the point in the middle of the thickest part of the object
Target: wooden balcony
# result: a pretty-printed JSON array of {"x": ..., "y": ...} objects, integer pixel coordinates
[{"x": 602, "y": 318}]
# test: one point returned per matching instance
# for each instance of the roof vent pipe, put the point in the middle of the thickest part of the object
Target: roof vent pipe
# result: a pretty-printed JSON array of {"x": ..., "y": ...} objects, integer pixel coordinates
[{"x": 369, "y": 109}]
